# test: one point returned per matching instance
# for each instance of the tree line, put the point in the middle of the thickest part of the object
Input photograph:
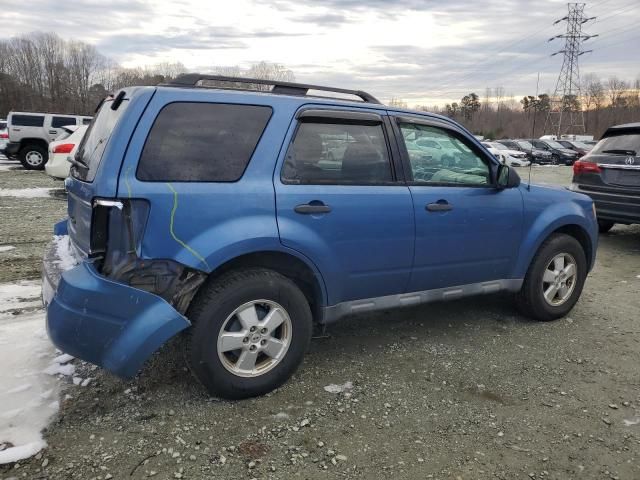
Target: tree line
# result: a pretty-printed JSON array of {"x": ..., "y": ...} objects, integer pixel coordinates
[
  {"x": 605, "y": 102},
  {"x": 42, "y": 72}
]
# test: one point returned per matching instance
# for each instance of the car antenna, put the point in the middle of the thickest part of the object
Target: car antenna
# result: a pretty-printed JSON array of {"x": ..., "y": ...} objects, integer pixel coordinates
[{"x": 533, "y": 131}]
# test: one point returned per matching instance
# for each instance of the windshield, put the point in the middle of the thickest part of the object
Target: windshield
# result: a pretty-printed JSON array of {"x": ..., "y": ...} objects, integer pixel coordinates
[
  {"x": 499, "y": 146},
  {"x": 582, "y": 145},
  {"x": 526, "y": 145},
  {"x": 554, "y": 144},
  {"x": 625, "y": 144},
  {"x": 91, "y": 148}
]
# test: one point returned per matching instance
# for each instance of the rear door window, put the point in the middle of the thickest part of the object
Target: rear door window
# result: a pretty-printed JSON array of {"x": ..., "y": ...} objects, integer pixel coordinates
[
  {"x": 27, "y": 120},
  {"x": 202, "y": 142},
  {"x": 338, "y": 154},
  {"x": 57, "y": 122},
  {"x": 95, "y": 140}
]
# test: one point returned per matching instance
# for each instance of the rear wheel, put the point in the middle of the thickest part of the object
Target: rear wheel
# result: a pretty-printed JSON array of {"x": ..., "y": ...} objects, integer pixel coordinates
[
  {"x": 33, "y": 157},
  {"x": 605, "y": 225},
  {"x": 555, "y": 160},
  {"x": 250, "y": 331},
  {"x": 555, "y": 278}
]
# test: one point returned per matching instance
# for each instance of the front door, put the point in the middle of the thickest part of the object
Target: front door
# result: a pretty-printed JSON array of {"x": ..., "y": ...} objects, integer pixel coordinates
[
  {"x": 340, "y": 203},
  {"x": 467, "y": 230}
]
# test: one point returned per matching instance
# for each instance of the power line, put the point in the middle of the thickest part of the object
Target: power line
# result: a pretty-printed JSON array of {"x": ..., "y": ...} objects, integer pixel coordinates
[{"x": 565, "y": 114}]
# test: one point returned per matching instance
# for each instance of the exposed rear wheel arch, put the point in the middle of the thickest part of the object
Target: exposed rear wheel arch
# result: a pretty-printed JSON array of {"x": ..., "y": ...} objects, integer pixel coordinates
[{"x": 286, "y": 265}]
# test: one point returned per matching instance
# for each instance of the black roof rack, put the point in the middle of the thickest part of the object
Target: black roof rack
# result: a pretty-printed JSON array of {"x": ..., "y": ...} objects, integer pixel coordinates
[{"x": 282, "y": 88}]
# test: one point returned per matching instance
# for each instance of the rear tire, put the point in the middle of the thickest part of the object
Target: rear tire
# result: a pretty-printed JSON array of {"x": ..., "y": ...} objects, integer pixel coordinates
[
  {"x": 33, "y": 157},
  {"x": 605, "y": 225},
  {"x": 537, "y": 298},
  {"x": 259, "y": 357},
  {"x": 555, "y": 160}
]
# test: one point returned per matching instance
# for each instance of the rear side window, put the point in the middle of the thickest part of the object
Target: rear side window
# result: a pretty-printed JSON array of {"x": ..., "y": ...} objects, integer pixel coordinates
[
  {"x": 27, "y": 120},
  {"x": 202, "y": 142},
  {"x": 335, "y": 153},
  {"x": 3, "y": 125},
  {"x": 57, "y": 122}
]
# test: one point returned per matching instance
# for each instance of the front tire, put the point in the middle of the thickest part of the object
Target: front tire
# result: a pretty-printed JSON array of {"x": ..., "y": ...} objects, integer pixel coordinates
[
  {"x": 33, "y": 157},
  {"x": 555, "y": 279},
  {"x": 250, "y": 331}
]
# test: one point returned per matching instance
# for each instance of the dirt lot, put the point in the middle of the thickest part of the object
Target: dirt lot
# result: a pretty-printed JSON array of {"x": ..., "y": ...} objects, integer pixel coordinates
[{"x": 464, "y": 390}]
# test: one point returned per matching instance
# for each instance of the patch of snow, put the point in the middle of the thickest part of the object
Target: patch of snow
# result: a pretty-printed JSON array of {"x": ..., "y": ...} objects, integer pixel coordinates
[
  {"x": 6, "y": 248},
  {"x": 39, "y": 192},
  {"x": 28, "y": 396},
  {"x": 633, "y": 421},
  {"x": 63, "y": 248},
  {"x": 333, "y": 388}
]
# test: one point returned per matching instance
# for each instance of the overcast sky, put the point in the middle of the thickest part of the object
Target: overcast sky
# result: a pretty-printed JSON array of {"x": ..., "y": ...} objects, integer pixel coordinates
[{"x": 423, "y": 51}]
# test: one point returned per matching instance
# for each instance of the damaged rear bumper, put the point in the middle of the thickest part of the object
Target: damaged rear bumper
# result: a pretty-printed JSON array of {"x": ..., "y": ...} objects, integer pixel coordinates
[{"x": 101, "y": 321}]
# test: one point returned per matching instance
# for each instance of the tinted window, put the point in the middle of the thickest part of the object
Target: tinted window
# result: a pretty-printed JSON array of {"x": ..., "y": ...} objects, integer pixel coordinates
[
  {"x": 96, "y": 139},
  {"x": 86, "y": 121},
  {"x": 3, "y": 125},
  {"x": 57, "y": 122},
  {"x": 628, "y": 144},
  {"x": 444, "y": 159},
  {"x": 202, "y": 142},
  {"x": 27, "y": 120},
  {"x": 337, "y": 154}
]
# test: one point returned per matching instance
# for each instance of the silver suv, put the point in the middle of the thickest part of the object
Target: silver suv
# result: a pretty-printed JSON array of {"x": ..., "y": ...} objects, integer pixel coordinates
[{"x": 30, "y": 134}]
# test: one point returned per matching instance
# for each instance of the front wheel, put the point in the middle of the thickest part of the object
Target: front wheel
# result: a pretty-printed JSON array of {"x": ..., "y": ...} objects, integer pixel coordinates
[
  {"x": 250, "y": 331},
  {"x": 33, "y": 157},
  {"x": 555, "y": 160},
  {"x": 555, "y": 278}
]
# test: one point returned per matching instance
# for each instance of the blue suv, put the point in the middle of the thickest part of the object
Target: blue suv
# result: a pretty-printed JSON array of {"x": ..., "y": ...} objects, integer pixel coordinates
[{"x": 246, "y": 218}]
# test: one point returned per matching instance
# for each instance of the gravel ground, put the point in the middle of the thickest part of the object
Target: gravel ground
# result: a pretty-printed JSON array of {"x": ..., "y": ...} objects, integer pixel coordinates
[{"x": 462, "y": 390}]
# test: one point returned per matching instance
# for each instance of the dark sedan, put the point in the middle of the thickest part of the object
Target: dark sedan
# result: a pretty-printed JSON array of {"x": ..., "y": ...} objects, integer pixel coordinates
[
  {"x": 559, "y": 153},
  {"x": 610, "y": 175},
  {"x": 576, "y": 146},
  {"x": 535, "y": 155}
]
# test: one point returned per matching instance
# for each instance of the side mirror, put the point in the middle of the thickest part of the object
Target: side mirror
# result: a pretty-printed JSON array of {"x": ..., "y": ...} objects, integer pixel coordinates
[{"x": 507, "y": 177}]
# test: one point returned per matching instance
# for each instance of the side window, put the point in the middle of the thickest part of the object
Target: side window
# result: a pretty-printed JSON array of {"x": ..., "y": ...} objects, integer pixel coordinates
[
  {"x": 57, "y": 122},
  {"x": 438, "y": 156},
  {"x": 27, "y": 120},
  {"x": 202, "y": 142},
  {"x": 337, "y": 153},
  {"x": 86, "y": 121}
]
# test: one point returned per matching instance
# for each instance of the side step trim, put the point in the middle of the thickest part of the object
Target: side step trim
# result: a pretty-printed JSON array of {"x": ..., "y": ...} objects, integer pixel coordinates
[{"x": 334, "y": 313}]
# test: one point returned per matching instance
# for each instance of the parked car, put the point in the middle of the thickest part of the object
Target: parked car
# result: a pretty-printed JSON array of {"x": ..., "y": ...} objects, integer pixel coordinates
[
  {"x": 30, "y": 134},
  {"x": 535, "y": 155},
  {"x": 513, "y": 158},
  {"x": 579, "y": 147},
  {"x": 243, "y": 235},
  {"x": 4, "y": 135},
  {"x": 501, "y": 157},
  {"x": 62, "y": 148},
  {"x": 559, "y": 154},
  {"x": 610, "y": 175}
]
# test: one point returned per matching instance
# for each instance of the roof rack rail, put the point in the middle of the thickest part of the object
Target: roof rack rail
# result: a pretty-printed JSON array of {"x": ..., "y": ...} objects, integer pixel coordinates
[{"x": 282, "y": 88}]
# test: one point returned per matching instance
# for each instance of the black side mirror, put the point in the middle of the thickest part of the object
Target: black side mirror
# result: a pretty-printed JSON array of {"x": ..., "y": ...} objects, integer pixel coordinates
[{"x": 507, "y": 177}]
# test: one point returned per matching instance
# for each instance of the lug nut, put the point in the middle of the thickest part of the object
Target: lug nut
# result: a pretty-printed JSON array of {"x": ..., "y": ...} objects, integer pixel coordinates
[
  {"x": 252, "y": 348},
  {"x": 263, "y": 331},
  {"x": 245, "y": 340},
  {"x": 252, "y": 329},
  {"x": 263, "y": 342}
]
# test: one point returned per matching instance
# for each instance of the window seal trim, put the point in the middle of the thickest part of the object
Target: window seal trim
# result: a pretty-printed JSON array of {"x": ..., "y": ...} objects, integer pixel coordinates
[{"x": 350, "y": 117}]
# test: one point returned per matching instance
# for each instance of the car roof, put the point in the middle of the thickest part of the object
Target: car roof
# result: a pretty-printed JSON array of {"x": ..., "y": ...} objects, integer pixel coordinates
[{"x": 622, "y": 129}]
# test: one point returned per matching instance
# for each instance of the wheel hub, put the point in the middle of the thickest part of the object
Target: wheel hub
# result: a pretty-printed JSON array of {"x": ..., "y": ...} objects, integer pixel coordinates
[
  {"x": 558, "y": 281},
  {"x": 254, "y": 338}
]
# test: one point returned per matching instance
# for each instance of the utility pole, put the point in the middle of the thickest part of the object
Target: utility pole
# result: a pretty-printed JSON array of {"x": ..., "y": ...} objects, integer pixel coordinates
[{"x": 565, "y": 112}]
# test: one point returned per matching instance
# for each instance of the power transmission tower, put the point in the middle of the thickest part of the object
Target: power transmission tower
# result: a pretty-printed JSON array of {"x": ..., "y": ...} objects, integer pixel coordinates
[{"x": 565, "y": 112}]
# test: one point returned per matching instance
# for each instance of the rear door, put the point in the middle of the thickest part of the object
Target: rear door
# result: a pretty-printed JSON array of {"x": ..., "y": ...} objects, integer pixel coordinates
[
  {"x": 467, "y": 231},
  {"x": 56, "y": 122},
  {"x": 342, "y": 204}
]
